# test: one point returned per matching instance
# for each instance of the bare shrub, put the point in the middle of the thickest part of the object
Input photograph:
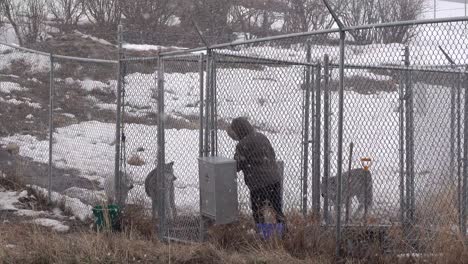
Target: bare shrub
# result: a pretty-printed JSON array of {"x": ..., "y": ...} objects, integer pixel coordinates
[
  {"x": 361, "y": 12},
  {"x": 103, "y": 13},
  {"x": 148, "y": 14},
  {"x": 26, "y": 17},
  {"x": 308, "y": 15},
  {"x": 66, "y": 12}
]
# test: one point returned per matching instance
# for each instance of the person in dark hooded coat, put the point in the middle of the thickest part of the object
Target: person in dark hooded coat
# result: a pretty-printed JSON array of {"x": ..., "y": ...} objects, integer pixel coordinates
[{"x": 256, "y": 158}]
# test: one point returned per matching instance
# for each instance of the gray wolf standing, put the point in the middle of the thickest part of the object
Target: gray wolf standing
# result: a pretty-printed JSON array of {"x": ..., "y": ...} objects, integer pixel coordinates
[
  {"x": 360, "y": 186},
  {"x": 126, "y": 186},
  {"x": 151, "y": 189}
]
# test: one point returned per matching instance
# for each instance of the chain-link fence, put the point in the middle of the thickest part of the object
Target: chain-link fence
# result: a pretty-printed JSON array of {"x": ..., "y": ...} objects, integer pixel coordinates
[
  {"x": 402, "y": 110},
  {"x": 24, "y": 114},
  {"x": 83, "y": 103},
  {"x": 334, "y": 126},
  {"x": 59, "y": 117}
]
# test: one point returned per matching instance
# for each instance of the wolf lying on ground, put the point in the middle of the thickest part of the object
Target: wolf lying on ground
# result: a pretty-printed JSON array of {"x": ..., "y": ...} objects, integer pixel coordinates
[
  {"x": 151, "y": 189},
  {"x": 360, "y": 186}
]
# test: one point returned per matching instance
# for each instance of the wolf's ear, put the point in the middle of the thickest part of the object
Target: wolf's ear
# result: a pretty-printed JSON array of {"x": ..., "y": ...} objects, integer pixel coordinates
[{"x": 171, "y": 164}]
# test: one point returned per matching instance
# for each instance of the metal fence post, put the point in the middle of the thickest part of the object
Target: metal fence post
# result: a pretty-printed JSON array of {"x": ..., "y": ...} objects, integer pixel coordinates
[
  {"x": 401, "y": 111},
  {"x": 207, "y": 104},
  {"x": 465, "y": 160},
  {"x": 459, "y": 147},
  {"x": 161, "y": 151},
  {"x": 51, "y": 126},
  {"x": 214, "y": 108},
  {"x": 201, "y": 76},
  {"x": 410, "y": 202},
  {"x": 340, "y": 142},
  {"x": 117, "y": 175},
  {"x": 201, "y": 130},
  {"x": 453, "y": 98},
  {"x": 326, "y": 137},
  {"x": 316, "y": 143},
  {"x": 306, "y": 124}
]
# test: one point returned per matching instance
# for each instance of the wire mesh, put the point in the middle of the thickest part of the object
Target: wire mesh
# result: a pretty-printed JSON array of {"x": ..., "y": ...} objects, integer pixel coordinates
[
  {"x": 183, "y": 79},
  {"x": 84, "y": 123},
  {"x": 140, "y": 131},
  {"x": 24, "y": 115},
  {"x": 404, "y": 89},
  {"x": 270, "y": 96}
]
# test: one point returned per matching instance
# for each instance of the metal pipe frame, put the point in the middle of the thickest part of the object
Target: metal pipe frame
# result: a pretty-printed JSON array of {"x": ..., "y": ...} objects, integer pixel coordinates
[
  {"x": 326, "y": 138},
  {"x": 465, "y": 161},
  {"x": 402, "y": 148},
  {"x": 213, "y": 121},
  {"x": 316, "y": 142},
  {"x": 117, "y": 178},
  {"x": 51, "y": 128},
  {"x": 340, "y": 144},
  {"x": 459, "y": 147},
  {"x": 209, "y": 59},
  {"x": 321, "y": 32},
  {"x": 201, "y": 76},
  {"x": 305, "y": 135},
  {"x": 161, "y": 151}
]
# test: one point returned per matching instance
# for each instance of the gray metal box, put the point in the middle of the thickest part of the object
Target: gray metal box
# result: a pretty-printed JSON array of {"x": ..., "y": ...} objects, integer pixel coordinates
[{"x": 218, "y": 189}]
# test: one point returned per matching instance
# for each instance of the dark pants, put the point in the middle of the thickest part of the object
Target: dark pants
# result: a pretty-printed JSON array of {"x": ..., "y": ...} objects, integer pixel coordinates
[{"x": 259, "y": 197}]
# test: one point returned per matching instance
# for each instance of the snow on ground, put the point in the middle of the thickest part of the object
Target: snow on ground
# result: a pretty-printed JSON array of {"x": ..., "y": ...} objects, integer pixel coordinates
[
  {"x": 25, "y": 101},
  {"x": 10, "y": 201},
  {"x": 78, "y": 208},
  {"x": 146, "y": 47},
  {"x": 98, "y": 40},
  {"x": 37, "y": 63},
  {"x": 8, "y": 87},
  {"x": 54, "y": 224},
  {"x": 88, "y": 85}
]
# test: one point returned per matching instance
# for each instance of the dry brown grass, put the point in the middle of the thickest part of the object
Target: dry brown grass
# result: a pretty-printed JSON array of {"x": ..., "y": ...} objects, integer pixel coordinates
[
  {"x": 31, "y": 244},
  {"x": 305, "y": 242}
]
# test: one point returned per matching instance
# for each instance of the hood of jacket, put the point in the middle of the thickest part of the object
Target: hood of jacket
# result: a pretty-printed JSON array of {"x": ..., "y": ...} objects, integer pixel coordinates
[{"x": 242, "y": 127}]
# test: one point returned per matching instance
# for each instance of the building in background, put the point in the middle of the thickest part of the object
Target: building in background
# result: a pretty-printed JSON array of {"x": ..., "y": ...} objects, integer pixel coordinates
[{"x": 446, "y": 8}]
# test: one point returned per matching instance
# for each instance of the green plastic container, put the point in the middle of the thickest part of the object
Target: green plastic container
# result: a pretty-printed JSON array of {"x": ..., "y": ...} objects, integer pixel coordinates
[{"x": 112, "y": 214}]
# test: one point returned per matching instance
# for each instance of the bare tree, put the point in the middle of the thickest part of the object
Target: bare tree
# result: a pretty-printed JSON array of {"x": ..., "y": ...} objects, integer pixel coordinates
[
  {"x": 361, "y": 12},
  {"x": 148, "y": 13},
  {"x": 398, "y": 10},
  {"x": 26, "y": 17},
  {"x": 254, "y": 18},
  {"x": 106, "y": 13},
  {"x": 308, "y": 15},
  {"x": 66, "y": 12},
  {"x": 211, "y": 16}
]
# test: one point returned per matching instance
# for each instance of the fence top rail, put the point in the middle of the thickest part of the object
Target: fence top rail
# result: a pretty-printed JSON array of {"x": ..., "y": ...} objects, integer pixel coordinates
[
  {"x": 319, "y": 32},
  {"x": 85, "y": 59},
  {"x": 260, "y": 60},
  {"x": 58, "y": 56},
  {"x": 408, "y": 23},
  {"x": 449, "y": 69},
  {"x": 24, "y": 49}
]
